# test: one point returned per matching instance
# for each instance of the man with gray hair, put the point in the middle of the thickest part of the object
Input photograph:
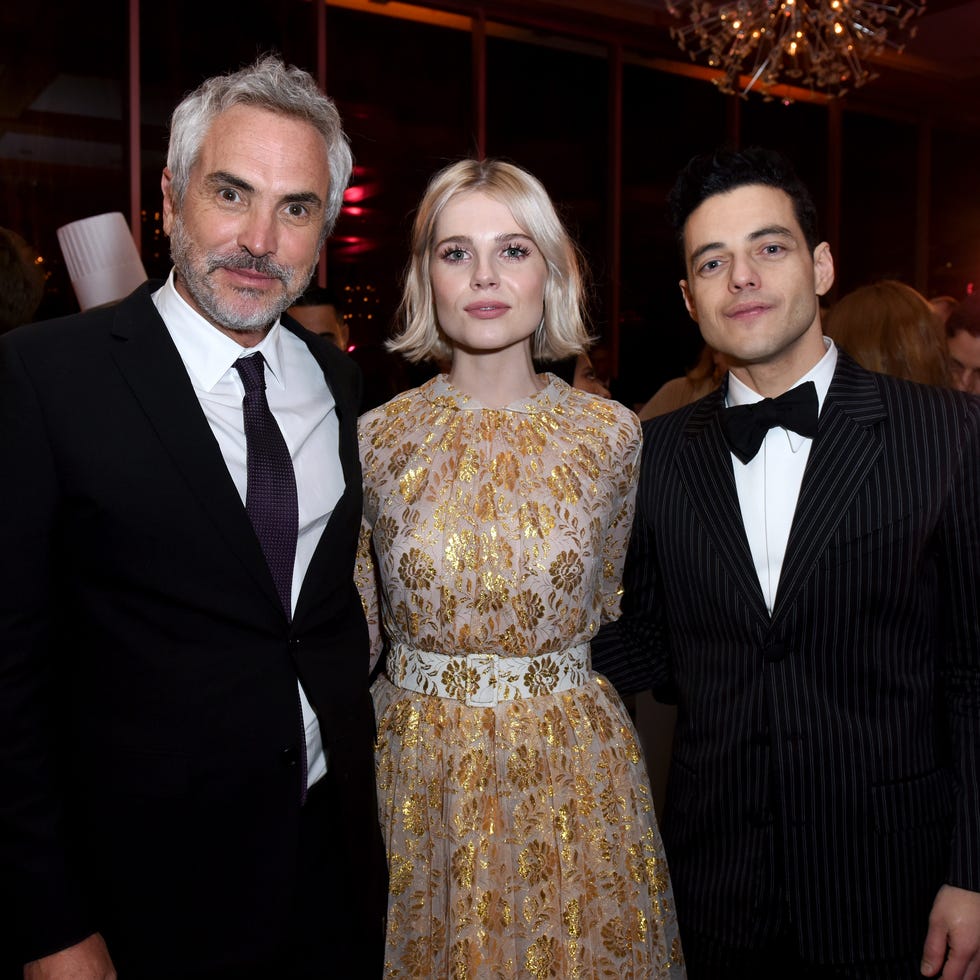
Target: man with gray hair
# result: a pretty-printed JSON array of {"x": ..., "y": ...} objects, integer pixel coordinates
[{"x": 186, "y": 729}]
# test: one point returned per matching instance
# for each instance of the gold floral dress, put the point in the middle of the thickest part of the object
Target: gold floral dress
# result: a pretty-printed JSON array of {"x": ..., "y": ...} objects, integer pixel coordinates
[{"x": 512, "y": 793}]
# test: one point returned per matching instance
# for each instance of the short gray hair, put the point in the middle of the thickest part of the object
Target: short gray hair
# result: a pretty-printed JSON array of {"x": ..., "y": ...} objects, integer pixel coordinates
[
  {"x": 266, "y": 84},
  {"x": 563, "y": 331}
]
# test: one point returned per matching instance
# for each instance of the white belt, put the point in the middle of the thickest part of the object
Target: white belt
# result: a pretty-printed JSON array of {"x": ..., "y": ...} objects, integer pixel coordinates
[{"x": 481, "y": 680}]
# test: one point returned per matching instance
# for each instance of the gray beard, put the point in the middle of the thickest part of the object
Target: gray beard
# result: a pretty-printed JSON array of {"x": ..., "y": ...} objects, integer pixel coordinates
[{"x": 194, "y": 269}]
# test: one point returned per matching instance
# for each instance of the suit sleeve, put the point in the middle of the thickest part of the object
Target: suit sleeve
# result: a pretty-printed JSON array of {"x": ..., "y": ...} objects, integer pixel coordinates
[
  {"x": 960, "y": 669},
  {"x": 632, "y": 652},
  {"x": 46, "y": 911}
]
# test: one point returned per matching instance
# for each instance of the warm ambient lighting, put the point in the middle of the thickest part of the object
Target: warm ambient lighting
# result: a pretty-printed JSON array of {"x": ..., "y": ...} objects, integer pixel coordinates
[{"x": 818, "y": 43}]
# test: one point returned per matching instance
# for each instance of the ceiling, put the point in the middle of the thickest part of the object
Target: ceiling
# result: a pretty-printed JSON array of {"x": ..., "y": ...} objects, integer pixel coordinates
[{"x": 936, "y": 78}]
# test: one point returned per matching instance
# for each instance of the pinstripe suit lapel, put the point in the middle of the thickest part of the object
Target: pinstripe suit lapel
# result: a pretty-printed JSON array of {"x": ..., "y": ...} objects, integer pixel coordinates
[
  {"x": 844, "y": 450},
  {"x": 705, "y": 467}
]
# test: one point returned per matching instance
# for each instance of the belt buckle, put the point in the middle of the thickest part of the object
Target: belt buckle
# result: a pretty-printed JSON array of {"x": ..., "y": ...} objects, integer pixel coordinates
[{"x": 486, "y": 693}]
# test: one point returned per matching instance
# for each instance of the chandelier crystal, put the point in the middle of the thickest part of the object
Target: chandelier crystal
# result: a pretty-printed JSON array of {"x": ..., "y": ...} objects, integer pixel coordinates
[{"x": 822, "y": 44}]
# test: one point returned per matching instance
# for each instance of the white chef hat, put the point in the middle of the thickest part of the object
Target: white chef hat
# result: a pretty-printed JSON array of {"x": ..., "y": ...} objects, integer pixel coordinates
[{"x": 101, "y": 257}]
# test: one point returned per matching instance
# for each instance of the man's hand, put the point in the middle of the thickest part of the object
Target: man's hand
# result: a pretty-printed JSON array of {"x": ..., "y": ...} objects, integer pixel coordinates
[
  {"x": 87, "y": 960},
  {"x": 954, "y": 923}
]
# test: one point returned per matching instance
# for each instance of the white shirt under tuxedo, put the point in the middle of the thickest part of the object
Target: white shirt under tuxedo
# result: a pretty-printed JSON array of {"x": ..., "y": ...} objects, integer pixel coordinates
[{"x": 769, "y": 483}]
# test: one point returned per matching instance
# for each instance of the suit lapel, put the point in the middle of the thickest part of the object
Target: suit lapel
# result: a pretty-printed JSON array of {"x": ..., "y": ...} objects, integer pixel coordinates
[
  {"x": 149, "y": 361},
  {"x": 705, "y": 468},
  {"x": 844, "y": 450}
]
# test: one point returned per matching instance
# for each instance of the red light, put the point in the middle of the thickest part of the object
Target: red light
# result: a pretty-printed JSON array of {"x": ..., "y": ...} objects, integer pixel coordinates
[{"x": 361, "y": 192}]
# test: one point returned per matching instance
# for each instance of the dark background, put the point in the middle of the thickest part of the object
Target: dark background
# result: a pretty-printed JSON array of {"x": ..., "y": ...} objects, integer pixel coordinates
[{"x": 892, "y": 166}]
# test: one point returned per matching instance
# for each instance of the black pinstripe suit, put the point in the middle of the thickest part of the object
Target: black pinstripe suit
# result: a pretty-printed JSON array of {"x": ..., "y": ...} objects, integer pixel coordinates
[{"x": 826, "y": 766}]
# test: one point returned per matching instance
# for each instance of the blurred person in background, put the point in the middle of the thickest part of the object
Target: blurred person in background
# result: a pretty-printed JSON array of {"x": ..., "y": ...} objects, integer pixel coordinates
[
  {"x": 944, "y": 306},
  {"x": 579, "y": 372},
  {"x": 963, "y": 341},
  {"x": 317, "y": 310},
  {"x": 21, "y": 280},
  {"x": 703, "y": 378},
  {"x": 602, "y": 364},
  {"x": 890, "y": 328}
]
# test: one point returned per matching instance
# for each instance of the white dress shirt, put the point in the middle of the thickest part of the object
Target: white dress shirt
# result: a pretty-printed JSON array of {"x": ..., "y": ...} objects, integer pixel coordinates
[
  {"x": 304, "y": 408},
  {"x": 769, "y": 483}
]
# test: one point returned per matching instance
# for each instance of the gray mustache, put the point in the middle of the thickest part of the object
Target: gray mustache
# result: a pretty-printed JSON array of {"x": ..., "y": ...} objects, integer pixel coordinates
[{"x": 261, "y": 264}]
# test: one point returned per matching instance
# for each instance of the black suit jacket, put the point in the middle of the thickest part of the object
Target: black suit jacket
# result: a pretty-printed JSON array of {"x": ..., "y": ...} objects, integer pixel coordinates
[
  {"x": 149, "y": 717},
  {"x": 826, "y": 757}
]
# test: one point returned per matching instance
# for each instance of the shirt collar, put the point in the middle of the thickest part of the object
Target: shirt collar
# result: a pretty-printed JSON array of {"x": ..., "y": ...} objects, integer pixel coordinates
[
  {"x": 821, "y": 374},
  {"x": 207, "y": 353}
]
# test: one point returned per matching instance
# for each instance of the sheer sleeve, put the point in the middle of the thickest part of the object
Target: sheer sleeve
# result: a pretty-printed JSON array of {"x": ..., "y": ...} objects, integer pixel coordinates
[
  {"x": 366, "y": 579},
  {"x": 624, "y": 468}
]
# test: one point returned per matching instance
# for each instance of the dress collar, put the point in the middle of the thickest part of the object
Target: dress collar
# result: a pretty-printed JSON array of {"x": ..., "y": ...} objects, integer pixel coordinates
[{"x": 440, "y": 391}]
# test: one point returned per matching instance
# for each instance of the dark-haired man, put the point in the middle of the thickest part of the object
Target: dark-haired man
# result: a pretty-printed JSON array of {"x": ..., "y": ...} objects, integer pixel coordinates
[
  {"x": 317, "y": 310},
  {"x": 963, "y": 341},
  {"x": 803, "y": 580},
  {"x": 186, "y": 731}
]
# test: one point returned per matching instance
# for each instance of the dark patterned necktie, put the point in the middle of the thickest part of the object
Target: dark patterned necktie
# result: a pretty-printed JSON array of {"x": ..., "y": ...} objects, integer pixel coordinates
[
  {"x": 745, "y": 426},
  {"x": 270, "y": 497}
]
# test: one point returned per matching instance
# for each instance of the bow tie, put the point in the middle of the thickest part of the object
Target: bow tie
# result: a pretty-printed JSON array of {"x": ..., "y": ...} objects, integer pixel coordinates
[{"x": 745, "y": 426}]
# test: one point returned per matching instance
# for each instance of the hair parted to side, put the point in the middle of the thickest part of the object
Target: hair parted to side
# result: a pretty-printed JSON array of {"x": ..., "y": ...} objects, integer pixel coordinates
[
  {"x": 890, "y": 328},
  {"x": 563, "y": 332},
  {"x": 266, "y": 84},
  {"x": 725, "y": 170}
]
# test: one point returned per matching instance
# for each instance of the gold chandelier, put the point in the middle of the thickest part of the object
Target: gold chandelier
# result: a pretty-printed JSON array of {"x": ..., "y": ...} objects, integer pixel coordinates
[{"x": 822, "y": 44}]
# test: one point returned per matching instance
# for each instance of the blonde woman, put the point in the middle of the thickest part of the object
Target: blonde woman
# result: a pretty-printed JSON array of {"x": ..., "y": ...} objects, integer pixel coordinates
[{"x": 498, "y": 502}]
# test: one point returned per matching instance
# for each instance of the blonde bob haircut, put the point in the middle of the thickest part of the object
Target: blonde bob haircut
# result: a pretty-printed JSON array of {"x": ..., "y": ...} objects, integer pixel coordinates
[{"x": 562, "y": 332}]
